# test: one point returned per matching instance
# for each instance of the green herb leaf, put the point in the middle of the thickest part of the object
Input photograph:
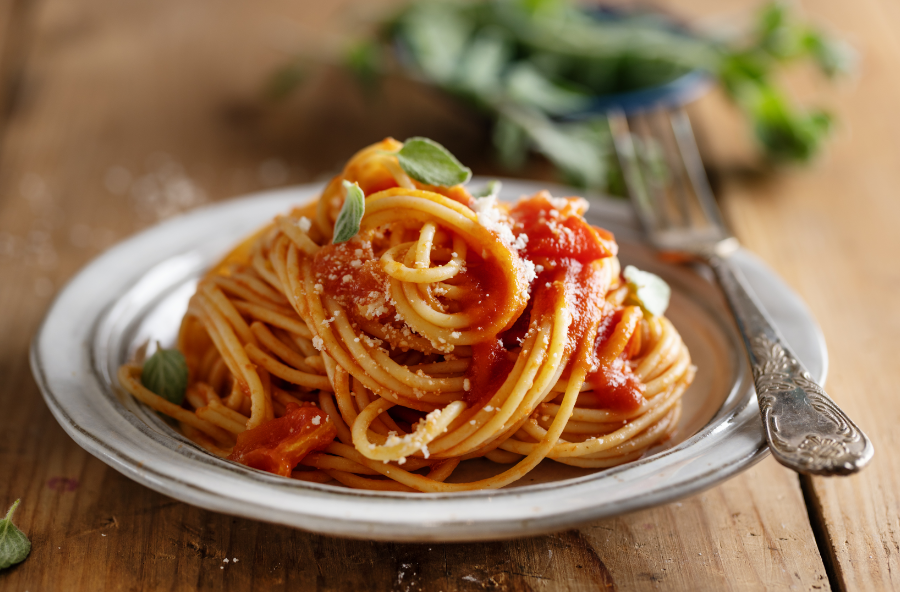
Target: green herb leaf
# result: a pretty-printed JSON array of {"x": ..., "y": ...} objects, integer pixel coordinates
[
  {"x": 492, "y": 189},
  {"x": 14, "y": 545},
  {"x": 575, "y": 153},
  {"x": 285, "y": 80},
  {"x": 437, "y": 35},
  {"x": 480, "y": 72},
  {"x": 166, "y": 374},
  {"x": 428, "y": 162},
  {"x": 366, "y": 62},
  {"x": 511, "y": 142},
  {"x": 527, "y": 86},
  {"x": 347, "y": 224},
  {"x": 649, "y": 291}
]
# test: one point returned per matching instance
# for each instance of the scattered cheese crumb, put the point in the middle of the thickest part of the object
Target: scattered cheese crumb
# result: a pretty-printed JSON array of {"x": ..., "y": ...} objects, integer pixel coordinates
[
  {"x": 318, "y": 343},
  {"x": 467, "y": 384},
  {"x": 304, "y": 224},
  {"x": 315, "y": 421},
  {"x": 488, "y": 408},
  {"x": 225, "y": 560},
  {"x": 530, "y": 271}
]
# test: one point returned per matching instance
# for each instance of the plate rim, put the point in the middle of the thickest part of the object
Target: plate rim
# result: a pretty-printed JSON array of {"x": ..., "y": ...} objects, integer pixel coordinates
[{"x": 432, "y": 531}]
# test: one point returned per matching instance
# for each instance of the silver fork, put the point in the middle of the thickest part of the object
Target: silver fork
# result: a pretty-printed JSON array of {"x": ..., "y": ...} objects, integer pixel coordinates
[{"x": 805, "y": 429}]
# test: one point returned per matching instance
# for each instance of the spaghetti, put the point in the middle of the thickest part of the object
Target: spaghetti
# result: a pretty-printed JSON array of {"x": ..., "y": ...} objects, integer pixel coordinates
[{"x": 449, "y": 328}]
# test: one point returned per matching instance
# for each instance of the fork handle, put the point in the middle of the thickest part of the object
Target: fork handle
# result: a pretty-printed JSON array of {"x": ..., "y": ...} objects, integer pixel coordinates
[{"x": 806, "y": 430}]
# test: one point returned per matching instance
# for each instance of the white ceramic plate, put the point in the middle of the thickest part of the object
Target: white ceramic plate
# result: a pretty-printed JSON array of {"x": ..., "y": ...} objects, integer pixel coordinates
[{"x": 139, "y": 290}]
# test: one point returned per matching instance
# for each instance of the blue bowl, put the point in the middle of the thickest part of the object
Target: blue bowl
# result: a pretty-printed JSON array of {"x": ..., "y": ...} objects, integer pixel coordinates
[{"x": 677, "y": 92}]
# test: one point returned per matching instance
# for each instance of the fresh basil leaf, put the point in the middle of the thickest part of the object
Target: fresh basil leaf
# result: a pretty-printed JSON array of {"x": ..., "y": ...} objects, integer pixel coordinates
[
  {"x": 14, "y": 545},
  {"x": 437, "y": 35},
  {"x": 285, "y": 80},
  {"x": 366, "y": 61},
  {"x": 480, "y": 72},
  {"x": 428, "y": 162},
  {"x": 526, "y": 85},
  {"x": 166, "y": 374},
  {"x": 576, "y": 154},
  {"x": 511, "y": 142},
  {"x": 649, "y": 291},
  {"x": 347, "y": 224},
  {"x": 833, "y": 56},
  {"x": 492, "y": 189}
]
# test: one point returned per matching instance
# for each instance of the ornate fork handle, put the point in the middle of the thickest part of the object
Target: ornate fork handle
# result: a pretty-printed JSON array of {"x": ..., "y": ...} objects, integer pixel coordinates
[{"x": 806, "y": 431}]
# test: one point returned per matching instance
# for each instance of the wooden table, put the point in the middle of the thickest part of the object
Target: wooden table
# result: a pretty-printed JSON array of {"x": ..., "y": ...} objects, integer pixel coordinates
[{"x": 115, "y": 113}]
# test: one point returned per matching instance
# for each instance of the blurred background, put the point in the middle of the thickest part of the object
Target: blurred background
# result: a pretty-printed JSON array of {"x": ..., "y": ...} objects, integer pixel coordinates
[{"x": 154, "y": 108}]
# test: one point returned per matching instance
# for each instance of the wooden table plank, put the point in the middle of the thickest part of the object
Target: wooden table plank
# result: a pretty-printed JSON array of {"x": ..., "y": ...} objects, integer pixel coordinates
[
  {"x": 831, "y": 231},
  {"x": 122, "y": 102}
]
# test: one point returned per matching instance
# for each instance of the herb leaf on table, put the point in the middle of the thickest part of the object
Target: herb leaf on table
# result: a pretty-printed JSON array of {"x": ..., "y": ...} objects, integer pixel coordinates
[{"x": 14, "y": 545}]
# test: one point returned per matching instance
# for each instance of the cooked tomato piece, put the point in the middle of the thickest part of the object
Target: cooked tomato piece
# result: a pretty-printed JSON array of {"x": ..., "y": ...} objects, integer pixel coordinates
[{"x": 277, "y": 446}]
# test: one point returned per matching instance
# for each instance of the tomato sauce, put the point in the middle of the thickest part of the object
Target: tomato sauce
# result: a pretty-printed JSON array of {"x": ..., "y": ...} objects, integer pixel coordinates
[
  {"x": 278, "y": 445},
  {"x": 349, "y": 273},
  {"x": 559, "y": 234},
  {"x": 488, "y": 370},
  {"x": 486, "y": 292},
  {"x": 615, "y": 386},
  {"x": 564, "y": 249}
]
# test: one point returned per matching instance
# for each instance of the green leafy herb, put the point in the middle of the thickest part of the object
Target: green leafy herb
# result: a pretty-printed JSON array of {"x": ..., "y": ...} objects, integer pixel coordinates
[
  {"x": 166, "y": 374},
  {"x": 14, "y": 545},
  {"x": 428, "y": 162},
  {"x": 492, "y": 189},
  {"x": 285, "y": 80},
  {"x": 647, "y": 290},
  {"x": 364, "y": 60},
  {"x": 539, "y": 71},
  {"x": 347, "y": 224}
]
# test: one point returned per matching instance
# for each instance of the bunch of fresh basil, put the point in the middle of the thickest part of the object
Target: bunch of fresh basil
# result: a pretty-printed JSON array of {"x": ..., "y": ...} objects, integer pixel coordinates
[{"x": 535, "y": 66}]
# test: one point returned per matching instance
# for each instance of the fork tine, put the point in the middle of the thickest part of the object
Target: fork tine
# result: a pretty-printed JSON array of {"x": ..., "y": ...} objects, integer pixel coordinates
[
  {"x": 680, "y": 185},
  {"x": 634, "y": 179},
  {"x": 646, "y": 146},
  {"x": 693, "y": 166},
  {"x": 680, "y": 216}
]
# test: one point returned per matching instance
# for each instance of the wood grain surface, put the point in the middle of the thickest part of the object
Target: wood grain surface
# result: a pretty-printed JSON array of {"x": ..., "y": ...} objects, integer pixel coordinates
[{"x": 116, "y": 114}]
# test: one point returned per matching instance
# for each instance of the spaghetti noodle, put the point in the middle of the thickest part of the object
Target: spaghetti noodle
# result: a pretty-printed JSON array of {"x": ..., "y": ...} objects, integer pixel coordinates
[{"x": 449, "y": 328}]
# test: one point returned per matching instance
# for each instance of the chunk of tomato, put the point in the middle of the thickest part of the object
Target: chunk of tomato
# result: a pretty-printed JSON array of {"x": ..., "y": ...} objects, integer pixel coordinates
[{"x": 277, "y": 446}]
